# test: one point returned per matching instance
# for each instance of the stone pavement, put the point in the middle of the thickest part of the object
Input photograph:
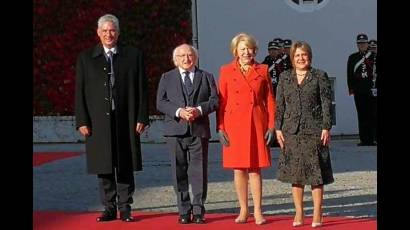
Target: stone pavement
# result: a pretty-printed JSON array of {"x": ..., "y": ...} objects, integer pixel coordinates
[{"x": 63, "y": 185}]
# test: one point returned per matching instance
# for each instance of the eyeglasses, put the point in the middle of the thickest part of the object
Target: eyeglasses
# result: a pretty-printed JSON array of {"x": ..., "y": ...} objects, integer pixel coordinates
[{"x": 185, "y": 55}]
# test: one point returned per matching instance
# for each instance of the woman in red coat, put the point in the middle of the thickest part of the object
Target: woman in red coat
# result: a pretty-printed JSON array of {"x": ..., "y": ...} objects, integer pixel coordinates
[{"x": 245, "y": 122}]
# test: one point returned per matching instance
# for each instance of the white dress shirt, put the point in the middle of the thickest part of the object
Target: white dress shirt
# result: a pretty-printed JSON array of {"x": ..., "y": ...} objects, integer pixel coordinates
[{"x": 191, "y": 76}]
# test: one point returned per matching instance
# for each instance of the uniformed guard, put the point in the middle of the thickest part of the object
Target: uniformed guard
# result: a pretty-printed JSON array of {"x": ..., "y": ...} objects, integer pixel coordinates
[
  {"x": 361, "y": 79},
  {"x": 274, "y": 62},
  {"x": 279, "y": 41},
  {"x": 287, "y": 43},
  {"x": 271, "y": 54},
  {"x": 373, "y": 45}
]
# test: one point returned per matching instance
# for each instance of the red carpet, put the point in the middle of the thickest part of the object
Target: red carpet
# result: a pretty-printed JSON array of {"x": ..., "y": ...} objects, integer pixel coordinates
[
  {"x": 86, "y": 220},
  {"x": 40, "y": 158}
]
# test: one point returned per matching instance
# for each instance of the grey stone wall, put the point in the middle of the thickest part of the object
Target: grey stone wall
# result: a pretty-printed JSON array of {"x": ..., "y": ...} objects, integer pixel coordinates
[{"x": 61, "y": 129}]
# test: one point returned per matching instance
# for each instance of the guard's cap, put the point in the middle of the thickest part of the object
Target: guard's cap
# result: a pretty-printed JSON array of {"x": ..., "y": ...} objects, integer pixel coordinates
[
  {"x": 361, "y": 38},
  {"x": 273, "y": 45},
  {"x": 279, "y": 41},
  {"x": 287, "y": 43},
  {"x": 373, "y": 43}
]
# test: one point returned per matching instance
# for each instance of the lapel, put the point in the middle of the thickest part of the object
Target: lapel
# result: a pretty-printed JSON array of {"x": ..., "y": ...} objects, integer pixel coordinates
[
  {"x": 237, "y": 76},
  {"x": 99, "y": 57},
  {"x": 179, "y": 85},
  {"x": 119, "y": 61},
  {"x": 293, "y": 81},
  {"x": 308, "y": 78},
  {"x": 197, "y": 79},
  {"x": 255, "y": 72},
  {"x": 98, "y": 54}
]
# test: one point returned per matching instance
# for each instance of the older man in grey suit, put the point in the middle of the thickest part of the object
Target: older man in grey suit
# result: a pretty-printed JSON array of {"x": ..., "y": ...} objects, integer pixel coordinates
[{"x": 187, "y": 95}]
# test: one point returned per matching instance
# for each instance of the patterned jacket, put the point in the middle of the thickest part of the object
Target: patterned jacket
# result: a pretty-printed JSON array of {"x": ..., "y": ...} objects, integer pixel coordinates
[{"x": 305, "y": 108}]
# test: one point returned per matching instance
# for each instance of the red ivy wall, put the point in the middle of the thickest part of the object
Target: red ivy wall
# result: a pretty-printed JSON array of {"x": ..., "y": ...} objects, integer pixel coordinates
[{"x": 62, "y": 29}]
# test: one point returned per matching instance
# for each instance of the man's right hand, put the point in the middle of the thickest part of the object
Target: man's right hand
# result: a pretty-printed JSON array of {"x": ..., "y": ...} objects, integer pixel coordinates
[
  {"x": 223, "y": 138},
  {"x": 85, "y": 131}
]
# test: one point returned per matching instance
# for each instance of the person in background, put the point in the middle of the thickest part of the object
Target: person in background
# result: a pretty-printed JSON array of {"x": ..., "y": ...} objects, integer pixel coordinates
[
  {"x": 373, "y": 46},
  {"x": 361, "y": 82},
  {"x": 287, "y": 43},
  {"x": 111, "y": 112},
  {"x": 245, "y": 122},
  {"x": 303, "y": 123},
  {"x": 275, "y": 63},
  {"x": 187, "y": 95}
]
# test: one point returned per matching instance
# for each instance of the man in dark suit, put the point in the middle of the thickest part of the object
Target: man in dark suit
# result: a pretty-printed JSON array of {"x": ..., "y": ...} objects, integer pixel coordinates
[
  {"x": 187, "y": 95},
  {"x": 111, "y": 112},
  {"x": 361, "y": 84}
]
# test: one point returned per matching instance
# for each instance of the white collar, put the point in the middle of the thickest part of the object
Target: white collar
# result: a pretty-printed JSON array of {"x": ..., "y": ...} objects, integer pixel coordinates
[
  {"x": 181, "y": 71},
  {"x": 113, "y": 49}
]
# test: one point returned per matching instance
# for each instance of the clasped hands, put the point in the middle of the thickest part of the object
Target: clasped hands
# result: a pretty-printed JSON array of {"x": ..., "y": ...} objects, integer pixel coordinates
[
  {"x": 189, "y": 113},
  {"x": 223, "y": 137}
]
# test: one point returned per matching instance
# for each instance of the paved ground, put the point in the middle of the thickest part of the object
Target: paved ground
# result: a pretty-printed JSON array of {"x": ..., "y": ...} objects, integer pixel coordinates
[{"x": 64, "y": 185}]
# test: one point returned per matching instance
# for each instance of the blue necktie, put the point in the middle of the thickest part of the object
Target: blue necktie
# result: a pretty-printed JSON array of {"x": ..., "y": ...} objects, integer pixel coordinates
[
  {"x": 111, "y": 74},
  {"x": 110, "y": 59},
  {"x": 188, "y": 83}
]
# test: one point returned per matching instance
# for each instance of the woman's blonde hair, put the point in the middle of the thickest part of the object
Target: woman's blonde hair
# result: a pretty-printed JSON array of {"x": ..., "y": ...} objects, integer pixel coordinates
[{"x": 249, "y": 40}]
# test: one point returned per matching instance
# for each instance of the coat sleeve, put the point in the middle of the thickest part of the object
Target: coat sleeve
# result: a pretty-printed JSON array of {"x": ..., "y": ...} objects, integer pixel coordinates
[
  {"x": 142, "y": 113},
  {"x": 223, "y": 97},
  {"x": 212, "y": 103},
  {"x": 164, "y": 105},
  {"x": 271, "y": 102},
  {"x": 82, "y": 117},
  {"x": 326, "y": 101},
  {"x": 280, "y": 102}
]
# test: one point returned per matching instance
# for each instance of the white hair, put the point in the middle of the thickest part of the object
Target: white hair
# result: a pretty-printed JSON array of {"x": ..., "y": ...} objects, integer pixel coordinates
[
  {"x": 109, "y": 18},
  {"x": 193, "y": 49}
]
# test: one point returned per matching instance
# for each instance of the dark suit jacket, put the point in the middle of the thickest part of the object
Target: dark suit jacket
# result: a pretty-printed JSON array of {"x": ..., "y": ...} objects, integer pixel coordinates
[
  {"x": 170, "y": 97},
  {"x": 305, "y": 108},
  {"x": 92, "y": 106}
]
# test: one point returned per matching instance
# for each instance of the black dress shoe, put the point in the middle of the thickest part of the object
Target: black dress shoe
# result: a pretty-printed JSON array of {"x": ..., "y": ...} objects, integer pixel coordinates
[
  {"x": 184, "y": 219},
  {"x": 107, "y": 215},
  {"x": 198, "y": 219},
  {"x": 126, "y": 216}
]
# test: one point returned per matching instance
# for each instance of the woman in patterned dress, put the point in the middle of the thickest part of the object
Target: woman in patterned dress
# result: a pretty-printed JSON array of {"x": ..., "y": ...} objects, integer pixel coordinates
[{"x": 303, "y": 123}]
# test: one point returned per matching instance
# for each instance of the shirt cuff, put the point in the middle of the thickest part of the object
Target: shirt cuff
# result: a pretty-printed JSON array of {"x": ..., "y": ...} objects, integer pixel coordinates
[
  {"x": 200, "y": 109},
  {"x": 177, "y": 112}
]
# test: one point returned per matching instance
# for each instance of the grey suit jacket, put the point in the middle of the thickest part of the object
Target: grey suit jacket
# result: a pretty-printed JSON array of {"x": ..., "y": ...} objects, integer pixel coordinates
[
  {"x": 304, "y": 108},
  {"x": 171, "y": 96}
]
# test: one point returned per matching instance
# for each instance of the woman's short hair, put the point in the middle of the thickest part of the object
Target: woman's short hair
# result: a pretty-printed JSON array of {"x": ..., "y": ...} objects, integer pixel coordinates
[
  {"x": 303, "y": 46},
  {"x": 109, "y": 18},
  {"x": 249, "y": 40}
]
